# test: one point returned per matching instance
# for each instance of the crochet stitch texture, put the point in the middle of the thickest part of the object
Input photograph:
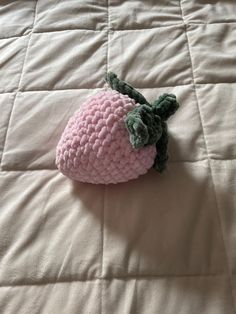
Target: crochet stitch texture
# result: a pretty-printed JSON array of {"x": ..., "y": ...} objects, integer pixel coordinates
[{"x": 95, "y": 145}]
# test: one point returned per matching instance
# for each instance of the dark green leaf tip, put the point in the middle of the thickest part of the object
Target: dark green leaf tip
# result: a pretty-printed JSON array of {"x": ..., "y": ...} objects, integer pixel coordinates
[{"x": 146, "y": 123}]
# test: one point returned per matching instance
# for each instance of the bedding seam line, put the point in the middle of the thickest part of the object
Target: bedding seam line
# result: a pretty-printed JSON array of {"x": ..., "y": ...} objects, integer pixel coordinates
[
  {"x": 101, "y": 87},
  {"x": 170, "y": 162},
  {"x": 16, "y": 92},
  {"x": 108, "y": 278},
  {"x": 102, "y": 248},
  {"x": 108, "y": 37},
  {"x": 15, "y": 36},
  {"x": 218, "y": 214},
  {"x": 104, "y": 188},
  {"x": 172, "y": 25},
  {"x": 163, "y": 25},
  {"x": 8, "y": 124}
]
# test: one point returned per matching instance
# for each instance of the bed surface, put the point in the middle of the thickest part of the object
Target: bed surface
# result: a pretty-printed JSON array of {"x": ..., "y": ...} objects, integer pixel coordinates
[{"x": 161, "y": 244}]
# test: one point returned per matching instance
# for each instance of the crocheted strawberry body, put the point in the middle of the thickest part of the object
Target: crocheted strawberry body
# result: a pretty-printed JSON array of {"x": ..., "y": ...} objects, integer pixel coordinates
[
  {"x": 116, "y": 135},
  {"x": 95, "y": 145}
]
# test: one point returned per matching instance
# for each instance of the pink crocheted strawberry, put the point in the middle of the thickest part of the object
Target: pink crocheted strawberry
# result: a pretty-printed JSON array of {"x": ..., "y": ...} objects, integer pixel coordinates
[{"x": 115, "y": 136}]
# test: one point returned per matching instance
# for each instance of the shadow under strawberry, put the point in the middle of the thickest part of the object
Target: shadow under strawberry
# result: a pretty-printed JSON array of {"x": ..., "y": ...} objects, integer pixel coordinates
[{"x": 160, "y": 227}]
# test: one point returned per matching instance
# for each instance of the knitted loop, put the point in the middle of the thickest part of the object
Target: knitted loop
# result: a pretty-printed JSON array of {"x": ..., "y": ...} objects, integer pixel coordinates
[{"x": 124, "y": 88}]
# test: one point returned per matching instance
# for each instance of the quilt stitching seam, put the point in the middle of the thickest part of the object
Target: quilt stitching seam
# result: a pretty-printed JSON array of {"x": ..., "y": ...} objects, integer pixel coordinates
[
  {"x": 209, "y": 162},
  {"x": 101, "y": 87},
  {"x": 163, "y": 25},
  {"x": 104, "y": 188},
  {"x": 124, "y": 278},
  {"x": 8, "y": 123},
  {"x": 102, "y": 249},
  {"x": 19, "y": 83},
  {"x": 5, "y": 170}
]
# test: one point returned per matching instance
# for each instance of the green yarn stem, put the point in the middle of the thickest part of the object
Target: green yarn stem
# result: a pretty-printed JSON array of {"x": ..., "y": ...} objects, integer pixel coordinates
[
  {"x": 124, "y": 88},
  {"x": 162, "y": 146},
  {"x": 146, "y": 122}
]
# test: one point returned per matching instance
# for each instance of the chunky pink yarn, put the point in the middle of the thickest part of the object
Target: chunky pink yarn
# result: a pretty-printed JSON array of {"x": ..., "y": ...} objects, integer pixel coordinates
[{"x": 95, "y": 146}]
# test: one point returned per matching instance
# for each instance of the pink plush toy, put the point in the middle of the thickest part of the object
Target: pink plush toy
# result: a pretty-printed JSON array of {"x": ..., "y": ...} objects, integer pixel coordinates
[{"x": 114, "y": 136}]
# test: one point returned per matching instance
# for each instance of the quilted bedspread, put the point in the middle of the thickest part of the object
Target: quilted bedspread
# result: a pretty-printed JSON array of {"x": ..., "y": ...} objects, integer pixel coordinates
[{"x": 160, "y": 244}]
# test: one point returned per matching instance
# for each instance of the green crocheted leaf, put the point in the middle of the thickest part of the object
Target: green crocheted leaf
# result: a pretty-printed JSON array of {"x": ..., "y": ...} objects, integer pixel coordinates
[
  {"x": 144, "y": 127},
  {"x": 165, "y": 106},
  {"x": 146, "y": 123},
  {"x": 124, "y": 88},
  {"x": 138, "y": 131},
  {"x": 153, "y": 123}
]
